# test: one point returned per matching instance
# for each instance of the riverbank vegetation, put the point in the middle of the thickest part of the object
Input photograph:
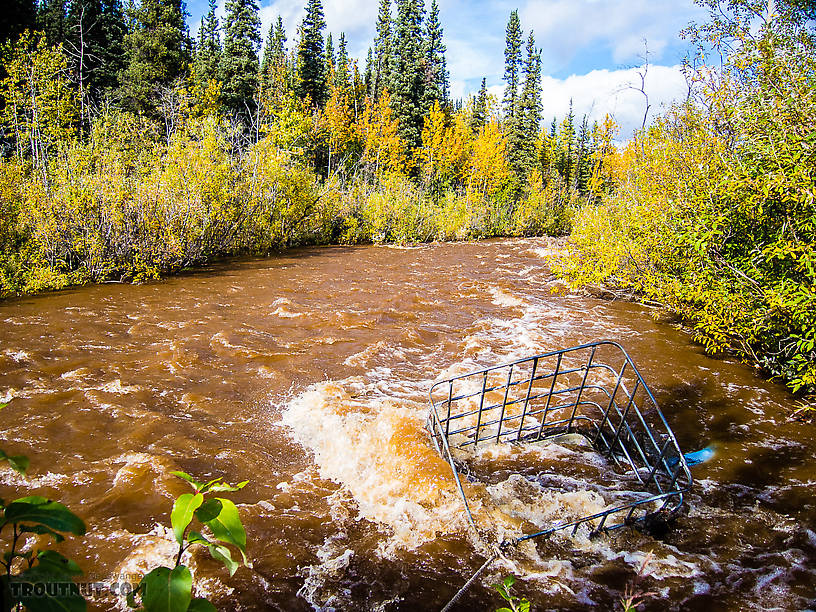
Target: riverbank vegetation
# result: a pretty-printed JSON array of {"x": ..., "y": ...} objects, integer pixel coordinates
[
  {"x": 713, "y": 213},
  {"x": 204, "y": 151},
  {"x": 131, "y": 151}
]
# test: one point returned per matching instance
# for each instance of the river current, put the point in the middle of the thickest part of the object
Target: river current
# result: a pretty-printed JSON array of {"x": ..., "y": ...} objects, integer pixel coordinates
[{"x": 307, "y": 374}]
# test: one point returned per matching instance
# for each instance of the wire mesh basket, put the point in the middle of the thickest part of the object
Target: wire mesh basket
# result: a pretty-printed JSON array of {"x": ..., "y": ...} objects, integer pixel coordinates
[{"x": 594, "y": 390}]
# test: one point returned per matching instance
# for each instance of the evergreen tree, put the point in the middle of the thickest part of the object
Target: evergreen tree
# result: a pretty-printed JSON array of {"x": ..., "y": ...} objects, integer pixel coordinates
[
  {"x": 566, "y": 146},
  {"x": 310, "y": 55},
  {"x": 274, "y": 70},
  {"x": 358, "y": 89},
  {"x": 157, "y": 51},
  {"x": 331, "y": 61},
  {"x": 583, "y": 161},
  {"x": 512, "y": 61},
  {"x": 408, "y": 76},
  {"x": 208, "y": 48},
  {"x": 528, "y": 115},
  {"x": 239, "y": 65},
  {"x": 478, "y": 117},
  {"x": 437, "y": 79},
  {"x": 94, "y": 38},
  {"x": 51, "y": 18},
  {"x": 382, "y": 66},
  {"x": 368, "y": 75},
  {"x": 16, "y": 16},
  {"x": 108, "y": 71},
  {"x": 342, "y": 73}
]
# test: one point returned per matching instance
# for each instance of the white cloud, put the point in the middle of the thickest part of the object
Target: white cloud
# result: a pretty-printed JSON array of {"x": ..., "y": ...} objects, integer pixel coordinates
[
  {"x": 564, "y": 28},
  {"x": 602, "y": 92},
  {"x": 610, "y": 91},
  {"x": 292, "y": 13},
  {"x": 471, "y": 60},
  {"x": 355, "y": 18}
]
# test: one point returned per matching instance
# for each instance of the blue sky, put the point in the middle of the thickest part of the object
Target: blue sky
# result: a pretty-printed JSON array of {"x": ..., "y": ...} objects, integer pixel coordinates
[{"x": 590, "y": 48}]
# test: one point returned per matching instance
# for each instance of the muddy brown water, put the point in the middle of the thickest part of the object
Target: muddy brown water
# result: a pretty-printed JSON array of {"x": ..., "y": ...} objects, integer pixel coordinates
[{"x": 307, "y": 375}]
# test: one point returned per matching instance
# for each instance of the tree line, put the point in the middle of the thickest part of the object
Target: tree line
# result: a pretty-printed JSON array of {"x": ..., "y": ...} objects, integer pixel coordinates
[
  {"x": 247, "y": 152},
  {"x": 142, "y": 59},
  {"x": 131, "y": 150}
]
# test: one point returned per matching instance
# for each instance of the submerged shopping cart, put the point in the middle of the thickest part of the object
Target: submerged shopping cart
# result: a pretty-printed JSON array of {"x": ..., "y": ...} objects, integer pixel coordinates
[{"x": 594, "y": 390}]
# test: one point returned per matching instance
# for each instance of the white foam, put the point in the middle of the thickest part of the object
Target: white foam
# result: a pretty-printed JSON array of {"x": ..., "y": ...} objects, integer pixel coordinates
[
  {"x": 378, "y": 450},
  {"x": 503, "y": 298}
]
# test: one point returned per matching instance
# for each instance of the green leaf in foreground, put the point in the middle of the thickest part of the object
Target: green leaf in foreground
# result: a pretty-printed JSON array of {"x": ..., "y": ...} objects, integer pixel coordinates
[
  {"x": 166, "y": 590},
  {"x": 222, "y": 486},
  {"x": 227, "y": 526},
  {"x": 40, "y": 510},
  {"x": 194, "y": 537},
  {"x": 208, "y": 510},
  {"x": 42, "y": 530},
  {"x": 57, "y": 564},
  {"x": 185, "y": 476},
  {"x": 222, "y": 554},
  {"x": 201, "y": 605},
  {"x": 183, "y": 509}
]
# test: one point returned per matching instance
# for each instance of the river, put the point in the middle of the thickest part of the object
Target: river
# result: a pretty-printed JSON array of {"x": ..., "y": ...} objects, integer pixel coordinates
[{"x": 307, "y": 374}]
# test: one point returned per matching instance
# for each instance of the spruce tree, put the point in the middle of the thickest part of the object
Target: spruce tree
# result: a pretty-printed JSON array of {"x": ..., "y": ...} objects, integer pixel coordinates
[
  {"x": 583, "y": 162},
  {"x": 331, "y": 61},
  {"x": 437, "y": 81},
  {"x": 408, "y": 76},
  {"x": 368, "y": 74},
  {"x": 51, "y": 18},
  {"x": 382, "y": 66},
  {"x": 239, "y": 65},
  {"x": 566, "y": 144},
  {"x": 311, "y": 72},
  {"x": 208, "y": 48},
  {"x": 94, "y": 39},
  {"x": 157, "y": 51},
  {"x": 512, "y": 61},
  {"x": 341, "y": 76},
  {"x": 478, "y": 117},
  {"x": 528, "y": 115},
  {"x": 111, "y": 54},
  {"x": 273, "y": 70}
]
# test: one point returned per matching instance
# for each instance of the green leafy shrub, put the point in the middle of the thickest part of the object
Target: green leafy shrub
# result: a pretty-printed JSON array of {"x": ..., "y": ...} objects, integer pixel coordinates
[
  {"x": 517, "y": 604},
  {"x": 39, "y": 580},
  {"x": 169, "y": 589},
  {"x": 715, "y": 216}
]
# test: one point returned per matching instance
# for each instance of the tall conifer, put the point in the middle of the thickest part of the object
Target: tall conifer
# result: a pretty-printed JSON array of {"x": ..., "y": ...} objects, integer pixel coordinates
[
  {"x": 51, "y": 19},
  {"x": 342, "y": 73},
  {"x": 382, "y": 65},
  {"x": 331, "y": 61},
  {"x": 408, "y": 77},
  {"x": 478, "y": 117},
  {"x": 274, "y": 72},
  {"x": 157, "y": 51},
  {"x": 438, "y": 80},
  {"x": 239, "y": 65},
  {"x": 368, "y": 74},
  {"x": 528, "y": 114},
  {"x": 310, "y": 55},
  {"x": 583, "y": 161},
  {"x": 208, "y": 48},
  {"x": 512, "y": 62},
  {"x": 93, "y": 38}
]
